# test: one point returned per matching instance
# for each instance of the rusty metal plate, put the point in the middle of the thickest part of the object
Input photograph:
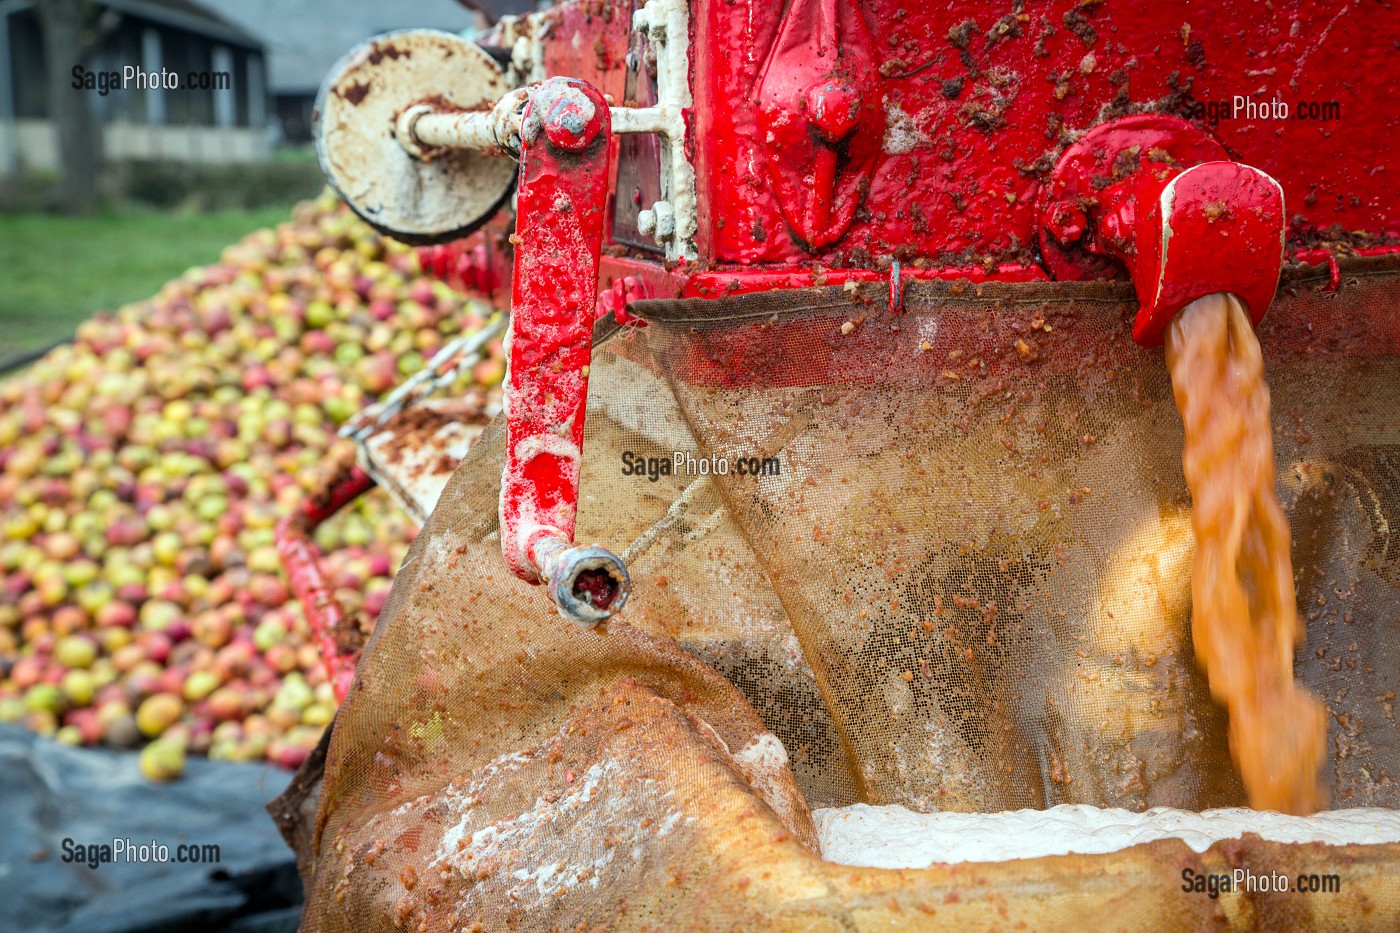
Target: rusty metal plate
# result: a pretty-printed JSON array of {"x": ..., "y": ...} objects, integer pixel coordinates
[
  {"x": 418, "y": 201},
  {"x": 417, "y": 451}
]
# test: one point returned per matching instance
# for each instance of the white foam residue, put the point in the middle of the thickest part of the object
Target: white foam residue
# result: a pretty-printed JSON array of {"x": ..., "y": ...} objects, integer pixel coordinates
[
  {"x": 762, "y": 762},
  {"x": 549, "y": 876},
  {"x": 532, "y": 845},
  {"x": 510, "y": 762},
  {"x": 895, "y": 837},
  {"x": 461, "y": 800},
  {"x": 765, "y": 752},
  {"x": 670, "y": 821},
  {"x": 546, "y": 442},
  {"x": 901, "y": 134}
]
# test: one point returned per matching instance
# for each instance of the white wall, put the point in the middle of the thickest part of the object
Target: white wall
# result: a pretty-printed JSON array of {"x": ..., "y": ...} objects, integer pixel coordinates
[{"x": 122, "y": 140}]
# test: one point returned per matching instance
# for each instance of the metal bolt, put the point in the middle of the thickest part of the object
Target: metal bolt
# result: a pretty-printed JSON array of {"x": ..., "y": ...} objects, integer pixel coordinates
[
  {"x": 1068, "y": 223},
  {"x": 646, "y": 222},
  {"x": 573, "y": 121},
  {"x": 665, "y": 220}
]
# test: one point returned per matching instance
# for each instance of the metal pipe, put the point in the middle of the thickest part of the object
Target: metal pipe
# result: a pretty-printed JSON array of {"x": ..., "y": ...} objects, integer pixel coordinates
[
  {"x": 1215, "y": 227},
  {"x": 424, "y": 130},
  {"x": 663, "y": 120},
  {"x": 335, "y": 632},
  {"x": 588, "y": 585}
]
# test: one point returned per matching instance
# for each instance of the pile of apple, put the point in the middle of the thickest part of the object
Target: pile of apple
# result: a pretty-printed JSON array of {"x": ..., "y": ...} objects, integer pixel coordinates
[{"x": 144, "y": 466}]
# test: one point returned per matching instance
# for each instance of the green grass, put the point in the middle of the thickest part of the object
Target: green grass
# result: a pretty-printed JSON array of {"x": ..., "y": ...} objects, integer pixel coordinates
[{"x": 55, "y": 272}]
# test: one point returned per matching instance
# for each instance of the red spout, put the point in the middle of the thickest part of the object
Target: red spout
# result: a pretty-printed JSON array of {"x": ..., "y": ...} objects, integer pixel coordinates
[
  {"x": 1216, "y": 227},
  {"x": 1184, "y": 221}
]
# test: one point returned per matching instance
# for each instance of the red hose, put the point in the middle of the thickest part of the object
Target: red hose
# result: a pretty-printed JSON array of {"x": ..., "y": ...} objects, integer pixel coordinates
[{"x": 337, "y": 634}]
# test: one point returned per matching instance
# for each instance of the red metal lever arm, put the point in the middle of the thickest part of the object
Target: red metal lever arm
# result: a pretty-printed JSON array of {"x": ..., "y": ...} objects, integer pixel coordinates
[{"x": 561, "y": 200}]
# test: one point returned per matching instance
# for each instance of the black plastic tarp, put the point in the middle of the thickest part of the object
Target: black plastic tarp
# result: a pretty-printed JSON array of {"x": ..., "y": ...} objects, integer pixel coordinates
[{"x": 49, "y": 793}]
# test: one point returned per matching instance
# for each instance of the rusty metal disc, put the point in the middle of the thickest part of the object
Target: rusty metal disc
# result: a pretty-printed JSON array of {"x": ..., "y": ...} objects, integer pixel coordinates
[{"x": 419, "y": 201}]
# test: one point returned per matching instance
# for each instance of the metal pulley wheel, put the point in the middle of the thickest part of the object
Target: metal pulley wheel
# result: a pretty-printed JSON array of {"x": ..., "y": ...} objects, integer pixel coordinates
[{"x": 422, "y": 197}]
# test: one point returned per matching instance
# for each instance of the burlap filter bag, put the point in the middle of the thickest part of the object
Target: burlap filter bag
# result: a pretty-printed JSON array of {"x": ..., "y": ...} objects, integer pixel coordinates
[{"x": 964, "y": 586}]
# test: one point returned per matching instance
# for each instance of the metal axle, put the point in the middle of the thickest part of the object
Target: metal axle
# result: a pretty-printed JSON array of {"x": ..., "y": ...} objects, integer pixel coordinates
[{"x": 424, "y": 129}]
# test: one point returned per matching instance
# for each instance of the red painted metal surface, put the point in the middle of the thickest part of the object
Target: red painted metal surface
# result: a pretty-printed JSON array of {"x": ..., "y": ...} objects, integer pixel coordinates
[
  {"x": 469, "y": 265},
  {"x": 562, "y": 195},
  {"x": 742, "y": 282},
  {"x": 821, "y": 116},
  {"x": 949, "y": 121},
  {"x": 337, "y": 634},
  {"x": 1109, "y": 163},
  {"x": 476, "y": 264},
  {"x": 614, "y": 299},
  {"x": 649, "y": 279},
  {"x": 885, "y": 142},
  {"x": 980, "y": 101}
]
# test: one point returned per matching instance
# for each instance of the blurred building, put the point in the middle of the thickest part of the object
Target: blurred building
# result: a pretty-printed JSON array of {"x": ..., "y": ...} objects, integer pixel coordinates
[
  {"x": 304, "y": 38},
  {"x": 256, "y": 66},
  {"x": 218, "y": 113}
]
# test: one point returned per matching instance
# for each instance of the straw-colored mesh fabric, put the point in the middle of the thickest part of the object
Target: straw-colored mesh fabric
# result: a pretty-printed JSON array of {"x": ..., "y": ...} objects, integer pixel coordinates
[
  {"x": 981, "y": 532},
  {"x": 968, "y": 588},
  {"x": 696, "y": 579}
]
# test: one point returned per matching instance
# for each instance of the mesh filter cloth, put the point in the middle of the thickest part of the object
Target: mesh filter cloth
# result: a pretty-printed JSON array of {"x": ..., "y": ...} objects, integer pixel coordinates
[{"x": 968, "y": 588}]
